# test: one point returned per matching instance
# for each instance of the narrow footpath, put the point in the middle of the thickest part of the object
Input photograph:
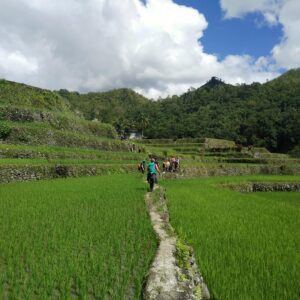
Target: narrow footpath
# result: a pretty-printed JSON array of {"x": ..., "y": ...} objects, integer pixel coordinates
[{"x": 173, "y": 274}]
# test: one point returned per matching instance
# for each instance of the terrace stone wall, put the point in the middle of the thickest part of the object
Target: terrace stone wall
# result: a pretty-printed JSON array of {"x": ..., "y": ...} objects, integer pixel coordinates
[
  {"x": 236, "y": 170},
  {"x": 31, "y": 172},
  {"x": 265, "y": 187},
  {"x": 10, "y": 173}
]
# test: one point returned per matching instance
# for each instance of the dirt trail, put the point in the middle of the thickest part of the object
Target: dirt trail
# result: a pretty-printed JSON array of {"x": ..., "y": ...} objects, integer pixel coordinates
[{"x": 166, "y": 281}]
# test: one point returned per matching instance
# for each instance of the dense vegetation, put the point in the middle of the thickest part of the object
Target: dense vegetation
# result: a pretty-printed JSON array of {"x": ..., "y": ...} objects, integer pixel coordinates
[
  {"x": 30, "y": 115},
  {"x": 120, "y": 107},
  {"x": 262, "y": 114},
  {"x": 266, "y": 115},
  {"x": 58, "y": 240},
  {"x": 22, "y": 95},
  {"x": 247, "y": 245}
]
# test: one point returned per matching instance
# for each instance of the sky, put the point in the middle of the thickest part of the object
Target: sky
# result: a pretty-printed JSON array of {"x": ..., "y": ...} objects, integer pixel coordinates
[{"x": 156, "y": 47}]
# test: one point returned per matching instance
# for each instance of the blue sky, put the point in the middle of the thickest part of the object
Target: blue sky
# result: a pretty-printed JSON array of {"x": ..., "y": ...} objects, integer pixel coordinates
[{"x": 248, "y": 35}]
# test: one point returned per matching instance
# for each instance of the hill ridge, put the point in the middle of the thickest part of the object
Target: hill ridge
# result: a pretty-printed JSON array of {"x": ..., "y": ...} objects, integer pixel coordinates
[{"x": 265, "y": 115}]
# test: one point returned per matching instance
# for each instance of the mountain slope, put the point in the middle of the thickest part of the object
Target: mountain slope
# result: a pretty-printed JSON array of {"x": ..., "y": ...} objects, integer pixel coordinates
[
  {"x": 261, "y": 114},
  {"x": 120, "y": 107},
  {"x": 22, "y": 95},
  {"x": 31, "y": 115}
]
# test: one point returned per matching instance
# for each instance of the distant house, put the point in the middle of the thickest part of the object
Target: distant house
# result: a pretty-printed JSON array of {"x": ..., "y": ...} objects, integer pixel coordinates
[{"x": 135, "y": 136}]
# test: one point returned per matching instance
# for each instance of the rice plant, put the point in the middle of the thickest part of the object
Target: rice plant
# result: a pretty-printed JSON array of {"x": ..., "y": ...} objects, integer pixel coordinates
[
  {"x": 87, "y": 238},
  {"x": 247, "y": 245}
]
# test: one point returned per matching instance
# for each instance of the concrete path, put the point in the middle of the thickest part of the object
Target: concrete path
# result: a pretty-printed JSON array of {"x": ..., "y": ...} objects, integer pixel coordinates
[{"x": 164, "y": 276}]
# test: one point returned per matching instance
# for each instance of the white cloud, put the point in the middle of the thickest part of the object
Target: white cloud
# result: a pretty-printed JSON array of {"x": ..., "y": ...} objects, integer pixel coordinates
[
  {"x": 271, "y": 18},
  {"x": 287, "y": 53},
  {"x": 17, "y": 63},
  {"x": 286, "y": 12},
  {"x": 233, "y": 8},
  {"x": 88, "y": 45}
]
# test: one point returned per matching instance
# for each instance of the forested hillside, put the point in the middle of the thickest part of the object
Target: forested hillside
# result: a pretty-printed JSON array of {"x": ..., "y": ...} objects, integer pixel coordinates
[
  {"x": 260, "y": 114},
  {"x": 122, "y": 108}
]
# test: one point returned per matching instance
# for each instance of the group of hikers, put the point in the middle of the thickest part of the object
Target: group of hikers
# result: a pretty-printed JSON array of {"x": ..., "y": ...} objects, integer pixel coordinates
[
  {"x": 134, "y": 148},
  {"x": 169, "y": 165}
]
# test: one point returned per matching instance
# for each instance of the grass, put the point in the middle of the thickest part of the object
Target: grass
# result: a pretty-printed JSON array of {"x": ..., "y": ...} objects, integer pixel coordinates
[
  {"x": 34, "y": 125},
  {"x": 213, "y": 163},
  {"x": 9, "y": 150},
  {"x": 87, "y": 238},
  {"x": 39, "y": 135},
  {"x": 10, "y": 161},
  {"x": 13, "y": 93},
  {"x": 247, "y": 245},
  {"x": 41, "y": 155}
]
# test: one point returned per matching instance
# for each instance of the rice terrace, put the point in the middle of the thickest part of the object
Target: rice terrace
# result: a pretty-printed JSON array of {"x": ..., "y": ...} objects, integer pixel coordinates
[{"x": 77, "y": 220}]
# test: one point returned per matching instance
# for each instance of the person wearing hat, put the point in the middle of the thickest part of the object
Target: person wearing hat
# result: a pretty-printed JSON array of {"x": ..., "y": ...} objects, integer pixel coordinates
[{"x": 152, "y": 169}]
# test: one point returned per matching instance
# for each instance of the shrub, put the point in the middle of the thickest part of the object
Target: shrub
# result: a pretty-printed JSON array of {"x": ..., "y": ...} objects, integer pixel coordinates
[
  {"x": 61, "y": 171},
  {"x": 5, "y": 130},
  {"x": 295, "y": 152}
]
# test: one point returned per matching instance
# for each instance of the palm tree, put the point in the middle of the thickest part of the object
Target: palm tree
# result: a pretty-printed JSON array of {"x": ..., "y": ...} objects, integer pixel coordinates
[{"x": 143, "y": 122}]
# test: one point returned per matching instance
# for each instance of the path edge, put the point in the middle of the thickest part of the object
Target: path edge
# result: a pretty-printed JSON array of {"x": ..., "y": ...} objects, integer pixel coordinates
[{"x": 189, "y": 283}]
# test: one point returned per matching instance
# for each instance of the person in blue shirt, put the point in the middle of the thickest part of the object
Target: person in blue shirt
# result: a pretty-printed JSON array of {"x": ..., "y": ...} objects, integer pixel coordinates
[{"x": 152, "y": 169}]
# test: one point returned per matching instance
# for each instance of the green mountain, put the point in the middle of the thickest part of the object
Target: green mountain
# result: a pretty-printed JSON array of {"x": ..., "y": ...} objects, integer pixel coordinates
[
  {"x": 121, "y": 107},
  {"x": 291, "y": 76},
  {"x": 261, "y": 114},
  {"x": 98, "y": 105}
]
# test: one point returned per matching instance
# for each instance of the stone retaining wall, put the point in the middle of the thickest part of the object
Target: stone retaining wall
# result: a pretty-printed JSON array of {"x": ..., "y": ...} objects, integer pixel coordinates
[
  {"x": 265, "y": 187},
  {"x": 38, "y": 172},
  {"x": 11, "y": 173},
  {"x": 235, "y": 170}
]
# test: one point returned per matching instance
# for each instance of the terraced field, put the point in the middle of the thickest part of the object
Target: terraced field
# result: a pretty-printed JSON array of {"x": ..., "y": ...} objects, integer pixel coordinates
[
  {"x": 247, "y": 245},
  {"x": 202, "y": 151},
  {"x": 91, "y": 237},
  {"x": 56, "y": 152},
  {"x": 83, "y": 238}
]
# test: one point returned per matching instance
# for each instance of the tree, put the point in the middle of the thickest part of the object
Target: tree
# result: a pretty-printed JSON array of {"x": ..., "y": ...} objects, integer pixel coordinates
[{"x": 142, "y": 123}]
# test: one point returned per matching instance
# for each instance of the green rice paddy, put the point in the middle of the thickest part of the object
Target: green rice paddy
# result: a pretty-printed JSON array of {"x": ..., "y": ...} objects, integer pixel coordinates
[
  {"x": 247, "y": 245},
  {"x": 11, "y": 150},
  {"x": 87, "y": 238}
]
